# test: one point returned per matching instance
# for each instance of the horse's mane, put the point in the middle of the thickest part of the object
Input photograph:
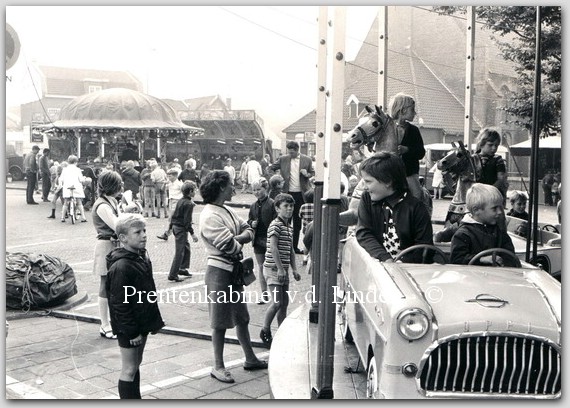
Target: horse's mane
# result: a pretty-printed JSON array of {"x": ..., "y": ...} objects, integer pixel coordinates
[{"x": 376, "y": 130}]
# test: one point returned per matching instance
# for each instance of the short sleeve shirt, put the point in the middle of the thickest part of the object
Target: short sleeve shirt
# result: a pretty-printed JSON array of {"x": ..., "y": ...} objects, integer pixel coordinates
[{"x": 284, "y": 233}]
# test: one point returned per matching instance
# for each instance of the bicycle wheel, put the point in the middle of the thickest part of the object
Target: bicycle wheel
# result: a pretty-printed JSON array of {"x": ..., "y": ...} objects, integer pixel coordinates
[{"x": 72, "y": 212}]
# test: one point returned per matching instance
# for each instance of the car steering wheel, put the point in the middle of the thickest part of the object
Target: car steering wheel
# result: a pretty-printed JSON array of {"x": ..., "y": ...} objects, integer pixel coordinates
[
  {"x": 551, "y": 228},
  {"x": 494, "y": 252},
  {"x": 426, "y": 248}
]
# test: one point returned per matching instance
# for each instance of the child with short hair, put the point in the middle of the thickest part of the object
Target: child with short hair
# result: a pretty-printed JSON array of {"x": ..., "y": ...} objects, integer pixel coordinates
[
  {"x": 279, "y": 257},
  {"x": 518, "y": 206},
  {"x": 132, "y": 317},
  {"x": 389, "y": 218},
  {"x": 181, "y": 224},
  {"x": 276, "y": 183},
  {"x": 480, "y": 228},
  {"x": 261, "y": 213},
  {"x": 493, "y": 167},
  {"x": 174, "y": 192}
]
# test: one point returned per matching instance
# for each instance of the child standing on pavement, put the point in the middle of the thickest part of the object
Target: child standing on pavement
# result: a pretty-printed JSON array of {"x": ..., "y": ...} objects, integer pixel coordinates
[
  {"x": 174, "y": 190},
  {"x": 181, "y": 224},
  {"x": 278, "y": 258},
  {"x": 132, "y": 317},
  {"x": 275, "y": 185},
  {"x": 261, "y": 213}
]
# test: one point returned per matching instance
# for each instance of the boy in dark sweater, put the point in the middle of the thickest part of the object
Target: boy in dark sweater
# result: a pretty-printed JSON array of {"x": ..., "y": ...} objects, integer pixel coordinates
[
  {"x": 480, "y": 229},
  {"x": 181, "y": 224},
  {"x": 133, "y": 317}
]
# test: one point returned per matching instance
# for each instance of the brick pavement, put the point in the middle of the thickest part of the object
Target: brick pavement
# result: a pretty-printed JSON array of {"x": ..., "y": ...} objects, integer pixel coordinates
[{"x": 175, "y": 366}]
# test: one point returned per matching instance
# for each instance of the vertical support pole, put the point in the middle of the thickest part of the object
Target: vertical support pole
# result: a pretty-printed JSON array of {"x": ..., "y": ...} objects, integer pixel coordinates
[
  {"x": 102, "y": 147},
  {"x": 533, "y": 199},
  {"x": 320, "y": 159},
  {"x": 383, "y": 57},
  {"x": 158, "y": 144},
  {"x": 331, "y": 206},
  {"x": 470, "y": 57},
  {"x": 78, "y": 146}
]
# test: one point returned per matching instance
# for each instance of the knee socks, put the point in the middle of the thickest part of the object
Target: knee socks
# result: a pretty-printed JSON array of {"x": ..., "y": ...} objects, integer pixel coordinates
[
  {"x": 127, "y": 390},
  {"x": 137, "y": 382}
]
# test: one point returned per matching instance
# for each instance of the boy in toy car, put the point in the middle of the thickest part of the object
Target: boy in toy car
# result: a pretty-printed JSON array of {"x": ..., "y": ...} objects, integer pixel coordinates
[
  {"x": 481, "y": 228},
  {"x": 390, "y": 219}
]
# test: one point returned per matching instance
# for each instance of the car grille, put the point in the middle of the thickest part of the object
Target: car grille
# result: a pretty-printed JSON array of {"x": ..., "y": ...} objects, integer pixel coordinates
[{"x": 493, "y": 364}]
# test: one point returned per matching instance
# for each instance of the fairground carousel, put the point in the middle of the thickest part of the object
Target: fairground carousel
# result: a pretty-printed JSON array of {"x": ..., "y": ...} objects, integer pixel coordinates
[{"x": 118, "y": 124}]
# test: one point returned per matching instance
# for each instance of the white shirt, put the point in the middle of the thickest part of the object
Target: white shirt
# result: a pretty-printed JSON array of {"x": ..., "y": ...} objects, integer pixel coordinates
[{"x": 294, "y": 177}]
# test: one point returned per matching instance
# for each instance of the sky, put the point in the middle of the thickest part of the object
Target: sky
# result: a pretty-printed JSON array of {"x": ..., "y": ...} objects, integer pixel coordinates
[{"x": 262, "y": 57}]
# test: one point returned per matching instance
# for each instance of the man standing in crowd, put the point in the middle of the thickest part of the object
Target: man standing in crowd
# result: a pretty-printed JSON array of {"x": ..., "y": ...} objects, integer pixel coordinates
[
  {"x": 296, "y": 170},
  {"x": 45, "y": 175},
  {"x": 31, "y": 169},
  {"x": 190, "y": 162}
]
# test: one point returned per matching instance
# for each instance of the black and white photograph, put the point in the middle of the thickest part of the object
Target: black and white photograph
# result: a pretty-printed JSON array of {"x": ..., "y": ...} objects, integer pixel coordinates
[{"x": 288, "y": 202}]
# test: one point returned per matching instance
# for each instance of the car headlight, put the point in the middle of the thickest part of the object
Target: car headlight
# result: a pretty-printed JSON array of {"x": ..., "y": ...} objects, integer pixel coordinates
[{"x": 413, "y": 324}]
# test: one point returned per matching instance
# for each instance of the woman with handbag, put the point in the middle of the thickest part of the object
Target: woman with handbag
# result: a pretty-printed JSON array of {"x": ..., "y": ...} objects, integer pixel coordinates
[{"x": 224, "y": 233}]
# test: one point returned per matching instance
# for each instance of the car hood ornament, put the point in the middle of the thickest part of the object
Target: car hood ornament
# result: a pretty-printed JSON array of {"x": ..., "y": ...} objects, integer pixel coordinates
[{"x": 487, "y": 300}]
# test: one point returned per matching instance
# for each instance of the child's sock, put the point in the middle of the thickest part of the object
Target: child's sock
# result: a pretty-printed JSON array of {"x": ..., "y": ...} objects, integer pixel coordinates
[
  {"x": 137, "y": 382},
  {"x": 127, "y": 390}
]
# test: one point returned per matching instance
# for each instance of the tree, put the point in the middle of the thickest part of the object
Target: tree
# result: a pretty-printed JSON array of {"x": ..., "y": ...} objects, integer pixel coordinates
[{"x": 514, "y": 30}]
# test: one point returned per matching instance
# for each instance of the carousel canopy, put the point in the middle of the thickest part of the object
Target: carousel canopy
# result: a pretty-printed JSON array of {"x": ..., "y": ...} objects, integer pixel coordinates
[{"x": 120, "y": 109}]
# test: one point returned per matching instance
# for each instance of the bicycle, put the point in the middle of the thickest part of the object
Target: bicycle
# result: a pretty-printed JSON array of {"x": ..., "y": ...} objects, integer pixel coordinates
[{"x": 72, "y": 211}]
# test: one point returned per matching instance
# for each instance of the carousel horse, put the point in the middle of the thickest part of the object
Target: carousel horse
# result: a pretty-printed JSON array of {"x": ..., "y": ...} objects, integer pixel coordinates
[
  {"x": 460, "y": 171},
  {"x": 378, "y": 132}
]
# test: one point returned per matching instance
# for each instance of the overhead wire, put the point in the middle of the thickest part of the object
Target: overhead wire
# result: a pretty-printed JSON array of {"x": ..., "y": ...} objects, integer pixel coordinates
[{"x": 364, "y": 43}]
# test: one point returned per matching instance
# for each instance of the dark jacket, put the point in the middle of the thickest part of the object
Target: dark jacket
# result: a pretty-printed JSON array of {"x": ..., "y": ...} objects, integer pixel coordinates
[
  {"x": 411, "y": 219},
  {"x": 413, "y": 140},
  {"x": 473, "y": 237},
  {"x": 188, "y": 174},
  {"x": 128, "y": 269},
  {"x": 132, "y": 180},
  {"x": 284, "y": 165},
  {"x": 264, "y": 212},
  {"x": 183, "y": 214}
]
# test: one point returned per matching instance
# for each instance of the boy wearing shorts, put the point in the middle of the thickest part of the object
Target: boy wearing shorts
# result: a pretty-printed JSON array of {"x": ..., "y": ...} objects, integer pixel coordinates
[
  {"x": 278, "y": 258},
  {"x": 133, "y": 317}
]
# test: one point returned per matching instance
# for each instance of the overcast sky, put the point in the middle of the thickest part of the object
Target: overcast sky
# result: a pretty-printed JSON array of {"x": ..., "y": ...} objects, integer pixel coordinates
[{"x": 262, "y": 57}]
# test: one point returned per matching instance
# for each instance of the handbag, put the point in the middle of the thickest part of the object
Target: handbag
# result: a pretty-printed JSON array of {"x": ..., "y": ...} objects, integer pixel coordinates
[{"x": 243, "y": 272}]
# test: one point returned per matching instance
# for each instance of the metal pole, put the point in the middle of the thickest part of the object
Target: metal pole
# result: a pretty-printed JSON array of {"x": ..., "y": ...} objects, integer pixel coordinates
[
  {"x": 470, "y": 57},
  {"x": 533, "y": 199},
  {"x": 383, "y": 57},
  {"x": 331, "y": 207},
  {"x": 320, "y": 158}
]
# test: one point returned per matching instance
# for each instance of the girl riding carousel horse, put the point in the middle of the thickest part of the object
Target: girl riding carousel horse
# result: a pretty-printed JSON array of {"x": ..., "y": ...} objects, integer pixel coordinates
[{"x": 379, "y": 131}]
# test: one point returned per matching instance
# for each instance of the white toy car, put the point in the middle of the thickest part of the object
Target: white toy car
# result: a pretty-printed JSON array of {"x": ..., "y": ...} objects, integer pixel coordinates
[{"x": 452, "y": 331}]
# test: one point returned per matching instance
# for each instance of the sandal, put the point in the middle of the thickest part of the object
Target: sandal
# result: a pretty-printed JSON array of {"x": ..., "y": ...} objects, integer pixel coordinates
[
  {"x": 222, "y": 375},
  {"x": 266, "y": 337},
  {"x": 108, "y": 334}
]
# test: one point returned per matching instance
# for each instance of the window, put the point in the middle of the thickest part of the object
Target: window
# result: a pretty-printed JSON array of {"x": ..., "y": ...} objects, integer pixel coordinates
[
  {"x": 53, "y": 113},
  {"x": 94, "y": 88}
]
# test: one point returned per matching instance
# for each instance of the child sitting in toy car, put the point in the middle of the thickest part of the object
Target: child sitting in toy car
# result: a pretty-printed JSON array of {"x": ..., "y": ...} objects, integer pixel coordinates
[{"x": 481, "y": 228}]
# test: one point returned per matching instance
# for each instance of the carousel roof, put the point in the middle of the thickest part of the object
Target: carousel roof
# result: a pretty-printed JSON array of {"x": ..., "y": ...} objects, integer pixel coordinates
[{"x": 120, "y": 108}]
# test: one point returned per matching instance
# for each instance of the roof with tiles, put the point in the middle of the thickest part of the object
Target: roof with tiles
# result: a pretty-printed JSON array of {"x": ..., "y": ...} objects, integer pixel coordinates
[
  {"x": 439, "y": 105},
  {"x": 71, "y": 81}
]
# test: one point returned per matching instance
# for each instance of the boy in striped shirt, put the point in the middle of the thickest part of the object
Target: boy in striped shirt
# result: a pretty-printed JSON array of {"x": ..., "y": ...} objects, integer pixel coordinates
[{"x": 279, "y": 257}]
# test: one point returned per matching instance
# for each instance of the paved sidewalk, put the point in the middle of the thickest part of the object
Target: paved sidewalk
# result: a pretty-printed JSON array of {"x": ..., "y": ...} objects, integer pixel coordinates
[{"x": 67, "y": 359}]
